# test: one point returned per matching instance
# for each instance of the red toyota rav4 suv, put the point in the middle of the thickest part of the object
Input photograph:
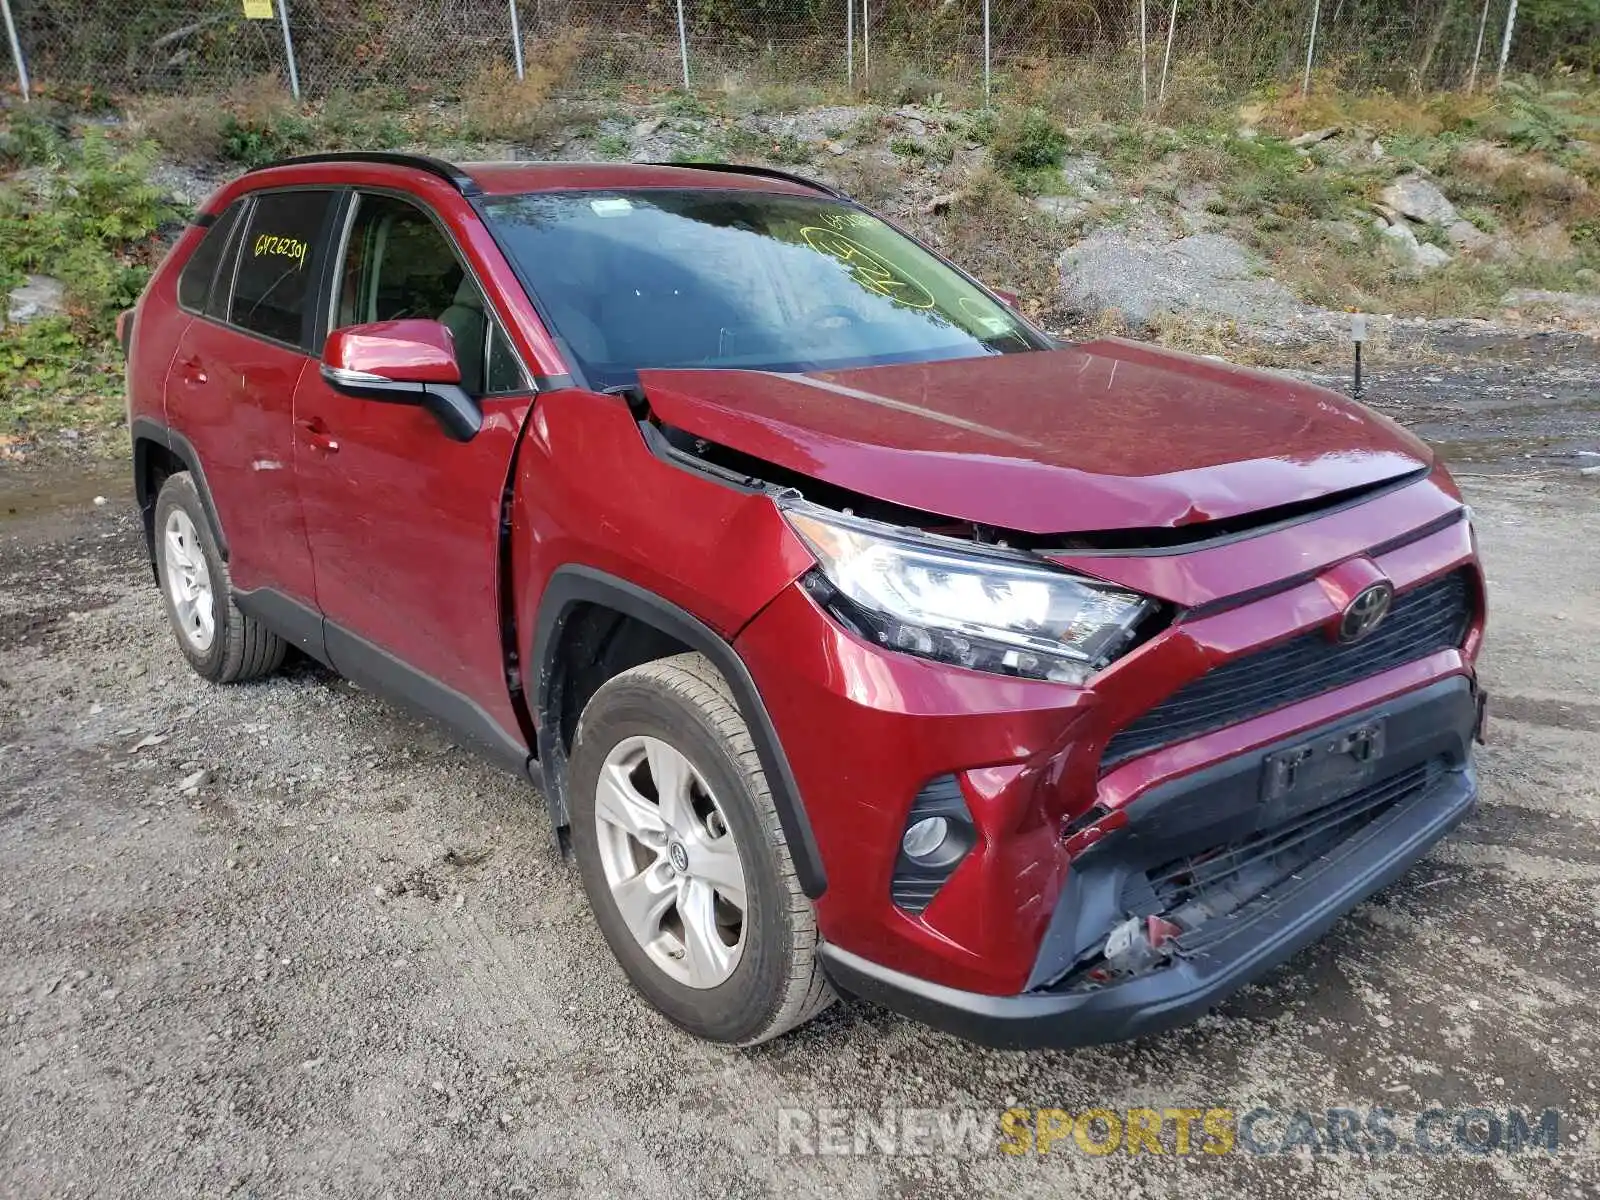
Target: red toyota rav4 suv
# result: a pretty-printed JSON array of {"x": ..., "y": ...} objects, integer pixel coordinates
[{"x": 859, "y": 637}]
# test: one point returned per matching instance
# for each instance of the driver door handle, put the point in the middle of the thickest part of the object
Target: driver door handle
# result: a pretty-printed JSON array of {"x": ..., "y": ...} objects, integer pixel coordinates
[{"x": 317, "y": 435}]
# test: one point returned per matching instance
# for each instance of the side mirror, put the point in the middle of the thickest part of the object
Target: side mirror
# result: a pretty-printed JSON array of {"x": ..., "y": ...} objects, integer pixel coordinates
[
  {"x": 1012, "y": 300},
  {"x": 403, "y": 362}
]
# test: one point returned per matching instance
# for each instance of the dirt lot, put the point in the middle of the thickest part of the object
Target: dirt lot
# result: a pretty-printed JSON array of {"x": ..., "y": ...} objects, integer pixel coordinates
[{"x": 349, "y": 963}]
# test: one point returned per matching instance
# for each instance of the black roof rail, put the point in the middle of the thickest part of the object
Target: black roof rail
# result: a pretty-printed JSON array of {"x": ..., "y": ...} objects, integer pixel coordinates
[
  {"x": 759, "y": 172},
  {"x": 447, "y": 171}
]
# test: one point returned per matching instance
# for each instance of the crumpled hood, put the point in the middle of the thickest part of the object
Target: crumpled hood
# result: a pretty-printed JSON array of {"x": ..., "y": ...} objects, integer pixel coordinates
[{"x": 1101, "y": 436}]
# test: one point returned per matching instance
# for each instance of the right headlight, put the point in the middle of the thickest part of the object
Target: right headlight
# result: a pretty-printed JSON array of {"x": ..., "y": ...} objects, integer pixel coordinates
[{"x": 974, "y": 606}]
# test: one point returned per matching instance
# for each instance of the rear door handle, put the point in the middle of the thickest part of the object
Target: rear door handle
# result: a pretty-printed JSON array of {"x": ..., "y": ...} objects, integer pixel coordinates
[{"x": 317, "y": 435}]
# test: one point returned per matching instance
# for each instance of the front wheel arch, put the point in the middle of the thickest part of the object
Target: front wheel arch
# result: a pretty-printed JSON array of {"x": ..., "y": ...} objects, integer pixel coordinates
[{"x": 574, "y": 586}]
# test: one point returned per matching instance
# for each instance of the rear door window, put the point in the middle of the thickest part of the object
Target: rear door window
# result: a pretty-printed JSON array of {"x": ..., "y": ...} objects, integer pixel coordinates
[
  {"x": 194, "y": 283},
  {"x": 274, "y": 286}
]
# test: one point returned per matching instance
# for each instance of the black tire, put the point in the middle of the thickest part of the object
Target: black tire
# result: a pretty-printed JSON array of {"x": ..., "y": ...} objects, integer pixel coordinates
[
  {"x": 778, "y": 982},
  {"x": 241, "y": 647}
]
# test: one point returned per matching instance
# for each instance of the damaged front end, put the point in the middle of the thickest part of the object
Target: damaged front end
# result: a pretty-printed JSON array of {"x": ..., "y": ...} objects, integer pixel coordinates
[
  {"x": 1188, "y": 868},
  {"x": 1179, "y": 904}
]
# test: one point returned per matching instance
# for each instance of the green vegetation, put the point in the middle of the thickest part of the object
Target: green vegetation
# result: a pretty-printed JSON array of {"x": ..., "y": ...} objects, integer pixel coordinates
[
  {"x": 1026, "y": 146},
  {"x": 82, "y": 211},
  {"x": 1022, "y": 139}
]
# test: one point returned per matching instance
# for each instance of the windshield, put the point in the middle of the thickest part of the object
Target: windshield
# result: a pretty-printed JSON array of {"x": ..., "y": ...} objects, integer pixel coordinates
[{"x": 698, "y": 278}]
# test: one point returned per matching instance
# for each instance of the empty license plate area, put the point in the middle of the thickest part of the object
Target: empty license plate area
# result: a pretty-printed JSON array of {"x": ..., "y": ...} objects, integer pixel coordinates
[{"x": 1319, "y": 770}]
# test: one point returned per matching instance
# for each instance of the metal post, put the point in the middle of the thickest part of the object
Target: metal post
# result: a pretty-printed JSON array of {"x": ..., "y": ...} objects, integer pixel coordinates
[
  {"x": 16, "y": 53},
  {"x": 866, "y": 44},
  {"x": 987, "y": 44},
  {"x": 1505, "y": 42},
  {"x": 288, "y": 49},
  {"x": 1144, "y": 58},
  {"x": 850, "y": 44},
  {"x": 1477, "y": 50},
  {"x": 683, "y": 45},
  {"x": 516, "y": 39},
  {"x": 1166, "y": 59},
  {"x": 1311, "y": 46}
]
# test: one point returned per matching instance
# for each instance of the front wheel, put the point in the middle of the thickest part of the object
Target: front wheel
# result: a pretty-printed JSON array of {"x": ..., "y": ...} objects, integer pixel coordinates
[{"x": 683, "y": 858}]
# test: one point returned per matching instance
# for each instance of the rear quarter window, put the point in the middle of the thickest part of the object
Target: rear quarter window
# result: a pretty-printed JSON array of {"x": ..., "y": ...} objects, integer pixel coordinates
[
  {"x": 275, "y": 282},
  {"x": 194, "y": 281}
]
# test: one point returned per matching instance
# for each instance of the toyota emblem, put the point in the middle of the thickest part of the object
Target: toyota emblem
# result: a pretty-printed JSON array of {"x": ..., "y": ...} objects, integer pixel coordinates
[{"x": 1366, "y": 612}]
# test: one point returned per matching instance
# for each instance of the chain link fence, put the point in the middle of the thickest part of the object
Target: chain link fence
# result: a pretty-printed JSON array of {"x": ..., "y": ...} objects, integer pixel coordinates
[{"x": 1137, "y": 50}]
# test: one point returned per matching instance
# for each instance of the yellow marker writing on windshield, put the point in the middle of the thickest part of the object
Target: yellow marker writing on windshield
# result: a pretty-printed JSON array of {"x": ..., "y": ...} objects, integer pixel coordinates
[{"x": 871, "y": 271}]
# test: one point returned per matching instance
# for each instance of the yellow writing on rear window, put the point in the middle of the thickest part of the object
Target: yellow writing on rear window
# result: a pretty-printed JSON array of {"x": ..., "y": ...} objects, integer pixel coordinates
[{"x": 270, "y": 245}]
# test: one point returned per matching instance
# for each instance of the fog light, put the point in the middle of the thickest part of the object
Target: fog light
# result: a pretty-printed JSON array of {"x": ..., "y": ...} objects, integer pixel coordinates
[
  {"x": 923, "y": 839},
  {"x": 938, "y": 834}
]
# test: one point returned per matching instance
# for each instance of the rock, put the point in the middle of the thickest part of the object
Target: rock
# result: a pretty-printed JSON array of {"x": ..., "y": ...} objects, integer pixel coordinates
[
  {"x": 191, "y": 784},
  {"x": 1574, "y": 306},
  {"x": 1376, "y": 150},
  {"x": 1400, "y": 235},
  {"x": 1410, "y": 252},
  {"x": 1084, "y": 174},
  {"x": 149, "y": 740},
  {"x": 100, "y": 501},
  {"x": 1464, "y": 235},
  {"x": 1431, "y": 257},
  {"x": 1413, "y": 196},
  {"x": 1062, "y": 208},
  {"x": 1312, "y": 138},
  {"x": 940, "y": 203},
  {"x": 1344, "y": 232},
  {"x": 647, "y": 126},
  {"x": 40, "y": 296},
  {"x": 1206, "y": 274}
]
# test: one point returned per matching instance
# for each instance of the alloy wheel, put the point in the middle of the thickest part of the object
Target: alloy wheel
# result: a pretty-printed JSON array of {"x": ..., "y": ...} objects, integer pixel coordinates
[
  {"x": 189, "y": 582},
  {"x": 671, "y": 862}
]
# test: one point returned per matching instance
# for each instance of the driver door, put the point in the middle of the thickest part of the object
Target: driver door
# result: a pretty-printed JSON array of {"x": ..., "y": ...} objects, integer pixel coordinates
[{"x": 403, "y": 522}]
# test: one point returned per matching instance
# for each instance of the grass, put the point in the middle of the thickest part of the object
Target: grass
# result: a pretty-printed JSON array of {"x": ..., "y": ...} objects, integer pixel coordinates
[
  {"x": 257, "y": 122},
  {"x": 497, "y": 106},
  {"x": 88, "y": 216},
  {"x": 52, "y": 377}
]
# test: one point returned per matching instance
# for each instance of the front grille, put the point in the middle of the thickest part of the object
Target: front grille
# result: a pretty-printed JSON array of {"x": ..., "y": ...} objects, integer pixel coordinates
[
  {"x": 1423, "y": 620},
  {"x": 1200, "y": 888}
]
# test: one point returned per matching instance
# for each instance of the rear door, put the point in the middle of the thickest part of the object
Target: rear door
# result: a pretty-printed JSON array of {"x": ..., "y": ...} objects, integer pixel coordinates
[
  {"x": 404, "y": 523},
  {"x": 231, "y": 386}
]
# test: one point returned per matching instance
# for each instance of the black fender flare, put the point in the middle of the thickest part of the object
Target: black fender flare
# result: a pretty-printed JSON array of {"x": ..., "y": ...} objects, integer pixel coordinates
[
  {"x": 148, "y": 429},
  {"x": 574, "y": 584}
]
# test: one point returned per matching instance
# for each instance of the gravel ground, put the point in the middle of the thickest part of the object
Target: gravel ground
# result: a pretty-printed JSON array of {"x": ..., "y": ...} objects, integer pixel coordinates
[{"x": 279, "y": 939}]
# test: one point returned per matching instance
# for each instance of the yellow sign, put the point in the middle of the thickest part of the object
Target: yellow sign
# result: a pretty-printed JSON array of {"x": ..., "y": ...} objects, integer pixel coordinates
[{"x": 258, "y": 10}]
